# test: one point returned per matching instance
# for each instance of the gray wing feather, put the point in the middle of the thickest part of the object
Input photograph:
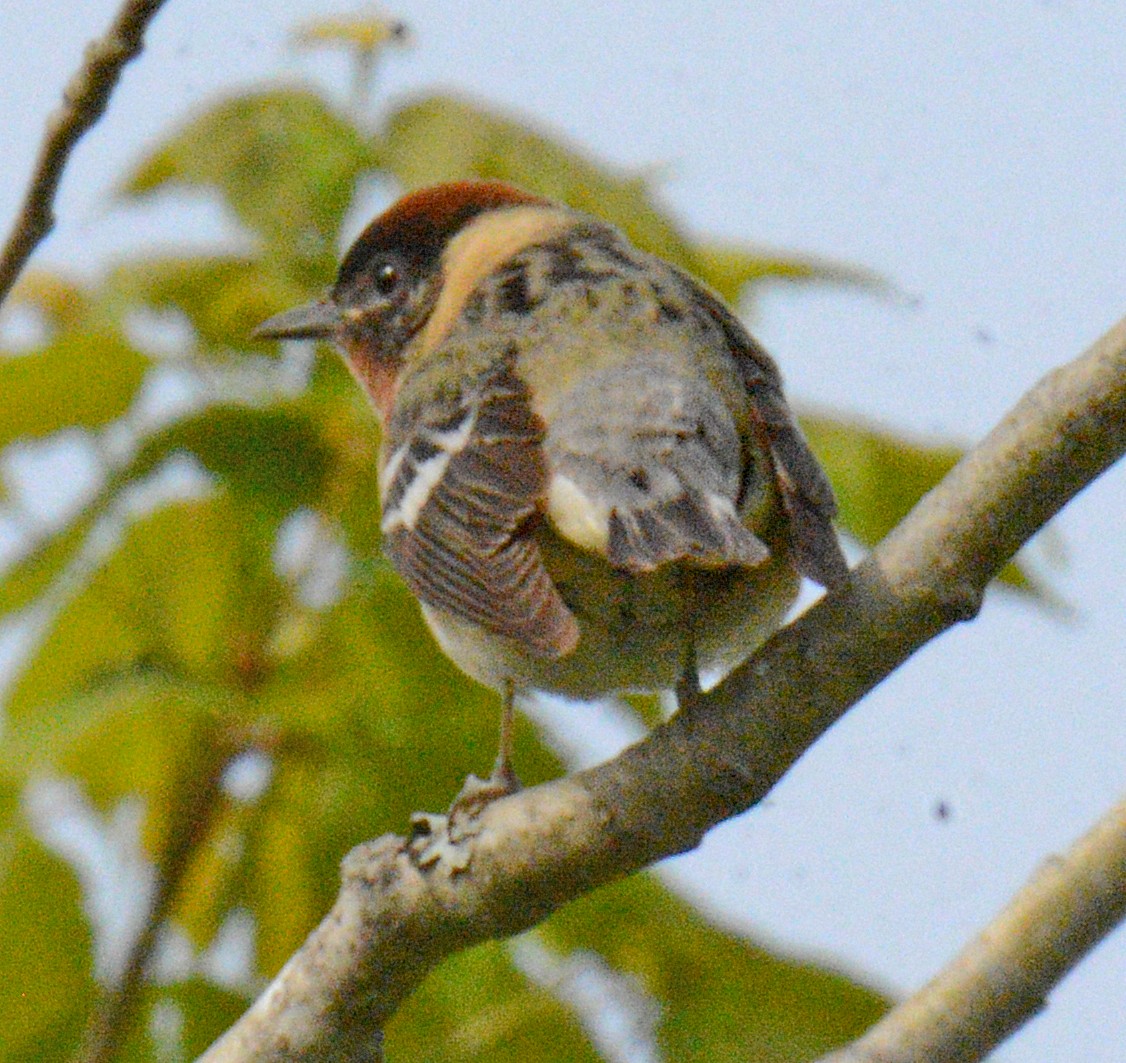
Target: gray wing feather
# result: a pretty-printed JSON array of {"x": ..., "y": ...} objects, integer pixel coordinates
[
  {"x": 666, "y": 461},
  {"x": 806, "y": 493}
]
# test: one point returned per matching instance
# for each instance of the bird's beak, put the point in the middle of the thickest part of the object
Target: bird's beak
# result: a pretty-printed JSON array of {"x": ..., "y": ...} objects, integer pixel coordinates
[{"x": 313, "y": 321}]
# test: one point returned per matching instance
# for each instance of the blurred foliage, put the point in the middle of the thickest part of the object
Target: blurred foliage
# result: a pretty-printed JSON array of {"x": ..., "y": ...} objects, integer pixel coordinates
[
  {"x": 879, "y": 476},
  {"x": 363, "y": 34},
  {"x": 285, "y": 164},
  {"x": 219, "y": 596},
  {"x": 704, "y": 979},
  {"x": 37, "y": 386},
  {"x": 45, "y": 950},
  {"x": 707, "y": 994}
]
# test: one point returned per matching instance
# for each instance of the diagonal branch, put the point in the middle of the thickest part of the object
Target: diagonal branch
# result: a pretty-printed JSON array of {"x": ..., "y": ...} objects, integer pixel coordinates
[
  {"x": 1001, "y": 978},
  {"x": 405, "y": 904},
  {"x": 84, "y": 102}
]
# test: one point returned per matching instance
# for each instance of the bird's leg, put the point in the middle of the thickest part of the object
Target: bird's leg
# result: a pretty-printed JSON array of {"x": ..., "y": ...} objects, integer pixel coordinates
[
  {"x": 504, "y": 775},
  {"x": 688, "y": 692},
  {"x": 688, "y": 685},
  {"x": 476, "y": 793}
]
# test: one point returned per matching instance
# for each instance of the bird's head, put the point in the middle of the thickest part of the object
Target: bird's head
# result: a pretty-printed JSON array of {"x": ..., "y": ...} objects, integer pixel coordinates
[{"x": 411, "y": 270}]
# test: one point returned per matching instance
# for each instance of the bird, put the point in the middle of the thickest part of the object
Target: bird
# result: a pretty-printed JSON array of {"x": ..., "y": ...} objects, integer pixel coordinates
[{"x": 590, "y": 477}]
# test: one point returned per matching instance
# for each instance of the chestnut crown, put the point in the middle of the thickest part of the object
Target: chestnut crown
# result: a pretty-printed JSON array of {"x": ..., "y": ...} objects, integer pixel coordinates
[{"x": 411, "y": 235}]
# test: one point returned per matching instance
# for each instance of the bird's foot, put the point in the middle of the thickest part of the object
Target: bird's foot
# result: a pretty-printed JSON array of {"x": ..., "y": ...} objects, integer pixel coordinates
[
  {"x": 437, "y": 838},
  {"x": 476, "y": 793},
  {"x": 445, "y": 839}
]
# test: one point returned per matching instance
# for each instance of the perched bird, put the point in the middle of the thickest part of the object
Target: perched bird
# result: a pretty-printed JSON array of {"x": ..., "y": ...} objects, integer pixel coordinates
[{"x": 590, "y": 477}]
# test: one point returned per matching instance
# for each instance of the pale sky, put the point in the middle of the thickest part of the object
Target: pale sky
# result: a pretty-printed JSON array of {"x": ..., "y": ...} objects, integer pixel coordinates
[{"x": 971, "y": 154}]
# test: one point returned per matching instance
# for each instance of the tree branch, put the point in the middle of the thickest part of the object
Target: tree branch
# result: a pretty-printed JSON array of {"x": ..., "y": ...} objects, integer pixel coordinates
[
  {"x": 405, "y": 904},
  {"x": 1002, "y": 977},
  {"x": 84, "y": 102}
]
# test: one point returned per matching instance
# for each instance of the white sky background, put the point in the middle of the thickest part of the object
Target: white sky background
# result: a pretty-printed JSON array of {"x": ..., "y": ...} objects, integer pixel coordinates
[{"x": 977, "y": 161}]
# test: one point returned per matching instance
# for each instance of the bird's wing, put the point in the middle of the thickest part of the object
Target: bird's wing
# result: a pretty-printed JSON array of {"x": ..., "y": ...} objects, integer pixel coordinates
[
  {"x": 805, "y": 490},
  {"x": 651, "y": 476},
  {"x": 461, "y": 488}
]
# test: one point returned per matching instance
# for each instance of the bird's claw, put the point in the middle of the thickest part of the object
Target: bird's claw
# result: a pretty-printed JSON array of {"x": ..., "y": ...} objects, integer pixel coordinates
[
  {"x": 437, "y": 838},
  {"x": 477, "y": 793}
]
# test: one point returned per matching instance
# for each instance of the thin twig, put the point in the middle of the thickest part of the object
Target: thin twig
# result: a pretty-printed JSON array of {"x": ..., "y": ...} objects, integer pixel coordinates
[
  {"x": 1003, "y": 976},
  {"x": 406, "y": 904},
  {"x": 84, "y": 102}
]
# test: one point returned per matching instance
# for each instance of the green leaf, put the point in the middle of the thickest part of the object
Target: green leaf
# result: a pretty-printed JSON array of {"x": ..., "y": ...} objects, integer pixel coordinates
[
  {"x": 879, "y": 476},
  {"x": 208, "y": 1010},
  {"x": 716, "y": 995},
  {"x": 477, "y": 1006},
  {"x": 86, "y": 640},
  {"x": 46, "y": 961},
  {"x": 720, "y": 997},
  {"x": 284, "y": 162},
  {"x": 62, "y": 301},
  {"x": 368, "y": 34},
  {"x": 190, "y": 590},
  {"x": 209, "y": 888},
  {"x": 180, "y": 1021},
  {"x": 224, "y": 297},
  {"x": 273, "y": 457},
  {"x": 141, "y": 734},
  {"x": 652, "y": 709},
  {"x": 31, "y": 575},
  {"x": 163, "y": 740},
  {"x": 731, "y": 268},
  {"x": 286, "y": 884},
  {"x": 441, "y": 138},
  {"x": 84, "y": 377},
  {"x": 350, "y": 429},
  {"x": 10, "y": 789}
]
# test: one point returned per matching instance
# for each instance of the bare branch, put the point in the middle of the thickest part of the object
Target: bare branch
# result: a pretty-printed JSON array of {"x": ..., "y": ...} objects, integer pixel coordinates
[
  {"x": 405, "y": 904},
  {"x": 1001, "y": 978},
  {"x": 84, "y": 102}
]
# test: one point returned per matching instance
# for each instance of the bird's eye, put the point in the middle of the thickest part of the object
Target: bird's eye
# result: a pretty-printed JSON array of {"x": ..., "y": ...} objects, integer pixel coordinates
[{"x": 386, "y": 278}]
